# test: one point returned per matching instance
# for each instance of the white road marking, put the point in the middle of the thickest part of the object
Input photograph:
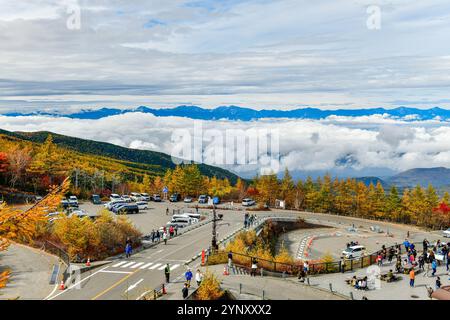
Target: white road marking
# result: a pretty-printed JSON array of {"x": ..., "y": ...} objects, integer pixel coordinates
[
  {"x": 145, "y": 266},
  {"x": 76, "y": 284},
  {"x": 162, "y": 267},
  {"x": 160, "y": 251},
  {"x": 137, "y": 265},
  {"x": 155, "y": 266},
  {"x": 119, "y": 264},
  {"x": 174, "y": 267},
  {"x": 112, "y": 271},
  {"x": 128, "y": 264},
  {"x": 134, "y": 285}
]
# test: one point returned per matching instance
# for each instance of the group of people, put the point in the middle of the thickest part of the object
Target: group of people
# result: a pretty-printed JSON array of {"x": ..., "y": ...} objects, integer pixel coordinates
[
  {"x": 188, "y": 276},
  {"x": 360, "y": 284},
  {"x": 248, "y": 220},
  {"x": 164, "y": 234}
]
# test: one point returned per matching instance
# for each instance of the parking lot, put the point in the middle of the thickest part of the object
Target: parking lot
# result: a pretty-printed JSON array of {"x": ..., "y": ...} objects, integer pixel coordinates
[{"x": 155, "y": 216}]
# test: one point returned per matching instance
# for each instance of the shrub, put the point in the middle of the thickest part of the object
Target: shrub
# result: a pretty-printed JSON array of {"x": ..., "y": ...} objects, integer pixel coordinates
[{"x": 209, "y": 288}]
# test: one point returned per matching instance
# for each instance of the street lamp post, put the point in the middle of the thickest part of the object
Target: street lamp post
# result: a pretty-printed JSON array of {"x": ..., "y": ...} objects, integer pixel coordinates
[{"x": 214, "y": 233}]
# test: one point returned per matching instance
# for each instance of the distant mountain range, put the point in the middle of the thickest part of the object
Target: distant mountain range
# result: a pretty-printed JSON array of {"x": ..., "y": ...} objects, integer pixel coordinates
[
  {"x": 439, "y": 177},
  {"x": 247, "y": 114}
]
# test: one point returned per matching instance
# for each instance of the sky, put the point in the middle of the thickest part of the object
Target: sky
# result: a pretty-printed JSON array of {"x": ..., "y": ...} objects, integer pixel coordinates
[{"x": 278, "y": 54}]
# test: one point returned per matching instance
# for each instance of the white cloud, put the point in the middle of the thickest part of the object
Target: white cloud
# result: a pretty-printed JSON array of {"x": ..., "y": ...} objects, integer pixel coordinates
[{"x": 305, "y": 145}]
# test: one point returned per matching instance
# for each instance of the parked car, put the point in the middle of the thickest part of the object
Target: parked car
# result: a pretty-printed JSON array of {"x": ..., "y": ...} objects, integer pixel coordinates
[
  {"x": 117, "y": 204},
  {"x": 64, "y": 203},
  {"x": 203, "y": 198},
  {"x": 112, "y": 204},
  {"x": 114, "y": 197},
  {"x": 193, "y": 215},
  {"x": 135, "y": 196},
  {"x": 156, "y": 198},
  {"x": 36, "y": 199},
  {"x": 126, "y": 198},
  {"x": 96, "y": 199},
  {"x": 354, "y": 252},
  {"x": 80, "y": 213},
  {"x": 142, "y": 205},
  {"x": 187, "y": 199},
  {"x": 73, "y": 201},
  {"x": 175, "y": 197},
  {"x": 446, "y": 233},
  {"x": 247, "y": 202},
  {"x": 145, "y": 197},
  {"x": 126, "y": 209}
]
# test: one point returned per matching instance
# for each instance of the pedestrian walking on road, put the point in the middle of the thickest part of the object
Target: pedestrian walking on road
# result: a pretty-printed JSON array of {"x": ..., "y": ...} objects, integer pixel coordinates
[
  {"x": 128, "y": 250},
  {"x": 185, "y": 291},
  {"x": 153, "y": 235},
  {"x": 171, "y": 231},
  {"x": 188, "y": 276},
  {"x": 412, "y": 277},
  {"x": 167, "y": 211},
  {"x": 198, "y": 277},
  {"x": 165, "y": 238},
  {"x": 196, "y": 209},
  {"x": 176, "y": 230},
  {"x": 448, "y": 261},
  {"x": 158, "y": 236},
  {"x": 167, "y": 273}
]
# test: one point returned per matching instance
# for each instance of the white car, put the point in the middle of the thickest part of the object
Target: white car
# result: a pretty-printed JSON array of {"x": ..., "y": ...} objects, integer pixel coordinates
[
  {"x": 114, "y": 197},
  {"x": 248, "y": 202},
  {"x": 145, "y": 197},
  {"x": 142, "y": 205},
  {"x": 187, "y": 200},
  {"x": 136, "y": 196},
  {"x": 354, "y": 252},
  {"x": 126, "y": 198},
  {"x": 110, "y": 204},
  {"x": 73, "y": 200},
  {"x": 446, "y": 233}
]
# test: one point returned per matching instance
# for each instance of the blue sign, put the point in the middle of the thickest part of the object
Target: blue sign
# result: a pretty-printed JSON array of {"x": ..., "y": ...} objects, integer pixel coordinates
[{"x": 165, "y": 190}]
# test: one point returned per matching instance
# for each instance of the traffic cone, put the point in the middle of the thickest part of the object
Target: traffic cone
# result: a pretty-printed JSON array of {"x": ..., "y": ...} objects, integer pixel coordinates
[
  {"x": 88, "y": 262},
  {"x": 164, "y": 289},
  {"x": 225, "y": 271},
  {"x": 62, "y": 286}
]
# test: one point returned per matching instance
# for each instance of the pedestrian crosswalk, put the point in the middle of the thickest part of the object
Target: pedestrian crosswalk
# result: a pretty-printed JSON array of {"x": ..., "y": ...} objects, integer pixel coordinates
[{"x": 143, "y": 265}]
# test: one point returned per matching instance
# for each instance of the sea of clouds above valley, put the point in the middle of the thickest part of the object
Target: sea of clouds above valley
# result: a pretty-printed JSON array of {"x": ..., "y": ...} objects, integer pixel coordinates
[{"x": 305, "y": 145}]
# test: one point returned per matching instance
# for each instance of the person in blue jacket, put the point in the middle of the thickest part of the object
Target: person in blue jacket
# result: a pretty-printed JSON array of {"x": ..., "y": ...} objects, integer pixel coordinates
[{"x": 188, "y": 276}]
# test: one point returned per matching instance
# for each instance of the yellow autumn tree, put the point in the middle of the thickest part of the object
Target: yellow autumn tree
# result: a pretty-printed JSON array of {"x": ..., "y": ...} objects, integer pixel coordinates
[
  {"x": 22, "y": 226},
  {"x": 209, "y": 288}
]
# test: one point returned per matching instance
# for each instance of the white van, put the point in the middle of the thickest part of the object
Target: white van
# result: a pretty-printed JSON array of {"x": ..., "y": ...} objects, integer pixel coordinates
[
  {"x": 354, "y": 252},
  {"x": 193, "y": 215}
]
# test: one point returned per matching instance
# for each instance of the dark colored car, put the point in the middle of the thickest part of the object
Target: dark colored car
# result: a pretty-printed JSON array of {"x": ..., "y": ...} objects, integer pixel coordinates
[
  {"x": 126, "y": 209},
  {"x": 175, "y": 197},
  {"x": 202, "y": 199},
  {"x": 96, "y": 199}
]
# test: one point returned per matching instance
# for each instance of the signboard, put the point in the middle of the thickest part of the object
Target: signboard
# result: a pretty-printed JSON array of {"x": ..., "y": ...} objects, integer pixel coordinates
[{"x": 165, "y": 190}]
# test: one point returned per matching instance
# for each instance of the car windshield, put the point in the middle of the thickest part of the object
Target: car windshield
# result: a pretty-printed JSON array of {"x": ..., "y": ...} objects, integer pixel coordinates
[{"x": 348, "y": 250}]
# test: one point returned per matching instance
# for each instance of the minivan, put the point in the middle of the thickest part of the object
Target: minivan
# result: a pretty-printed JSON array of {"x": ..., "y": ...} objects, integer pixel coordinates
[
  {"x": 96, "y": 199},
  {"x": 354, "y": 252}
]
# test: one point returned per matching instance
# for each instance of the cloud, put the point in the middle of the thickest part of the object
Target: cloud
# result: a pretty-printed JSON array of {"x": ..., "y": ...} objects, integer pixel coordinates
[
  {"x": 211, "y": 53},
  {"x": 304, "y": 145}
]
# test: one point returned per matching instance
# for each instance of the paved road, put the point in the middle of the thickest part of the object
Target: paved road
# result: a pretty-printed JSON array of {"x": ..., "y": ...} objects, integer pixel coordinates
[{"x": 129, "y": 278}]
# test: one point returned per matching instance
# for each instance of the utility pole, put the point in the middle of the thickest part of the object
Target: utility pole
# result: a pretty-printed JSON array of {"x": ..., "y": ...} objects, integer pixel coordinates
[{"x": 214, "y": 233}]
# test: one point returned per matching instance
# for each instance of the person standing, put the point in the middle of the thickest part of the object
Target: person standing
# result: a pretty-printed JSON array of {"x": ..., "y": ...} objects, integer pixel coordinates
[
  {"x": 198, "y": 277},
  {"x": 254, "y": 267},
  {"x": 196, "y": 208},
  {"x": 165, "y": 238},
  {"x": 185, "y": 291},
  {"x": 176, "y": 230},
  {"x": 128, "y": 250},
  {"x": 188, "y": 276},
  {"x": 167, "y": 211},
  {"x": 412, "y": 277},
  {"x": 171, "y": 231},
  {"x": 230, "y": 259},
  {"x": 158, "y": 236},
  {"x": 448, "y": 261},
  {"x": 167, "y": 273},
  {"x": 438, "y": 283},
  {"x": 433, "y": 267}
]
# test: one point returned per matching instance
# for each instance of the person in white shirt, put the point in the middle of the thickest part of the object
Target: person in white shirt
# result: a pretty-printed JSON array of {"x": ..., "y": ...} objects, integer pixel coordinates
[{"x": 198, "y": 277}]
